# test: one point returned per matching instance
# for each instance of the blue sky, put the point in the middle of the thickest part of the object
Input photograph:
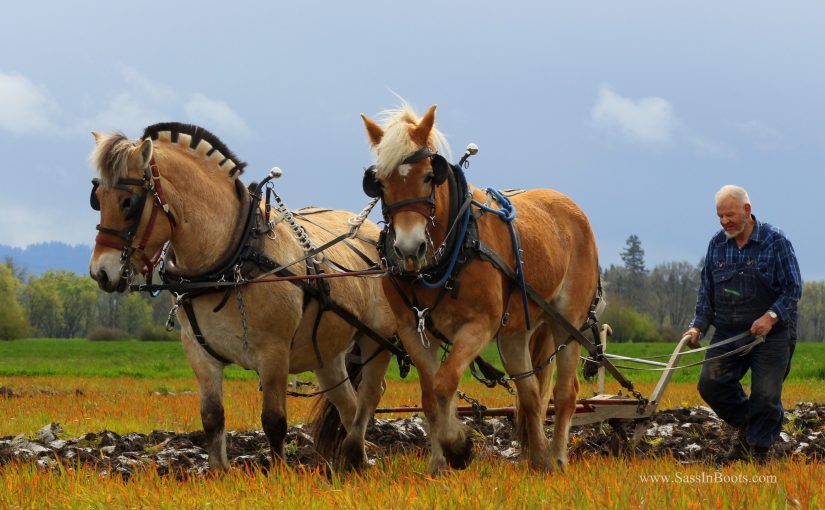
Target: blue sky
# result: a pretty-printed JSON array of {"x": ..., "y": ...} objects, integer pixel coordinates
[{"x": 638, "y": 110}]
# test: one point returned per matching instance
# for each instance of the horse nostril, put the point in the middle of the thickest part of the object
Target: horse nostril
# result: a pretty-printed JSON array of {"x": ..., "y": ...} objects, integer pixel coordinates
[
  {"x": 397, "y": 252},
  {"x": 422, "y": 248},
  {"x": 102, "y": 277}
]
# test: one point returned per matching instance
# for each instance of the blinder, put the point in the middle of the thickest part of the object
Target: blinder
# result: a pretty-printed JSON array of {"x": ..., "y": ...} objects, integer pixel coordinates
[
  {"x": 93, "y": 200},
  {"x": 371, "y": 185}
]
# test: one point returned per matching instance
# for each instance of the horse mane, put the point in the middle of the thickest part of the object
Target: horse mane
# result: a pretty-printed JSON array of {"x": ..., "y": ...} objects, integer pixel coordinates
[
  {"x": 110, "y": 157},
  {"x": 195, "y": 135},
  {"x": 396, "y": 144}
]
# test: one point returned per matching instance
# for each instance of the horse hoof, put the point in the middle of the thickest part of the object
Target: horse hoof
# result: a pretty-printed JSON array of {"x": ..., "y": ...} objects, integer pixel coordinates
[
  {"x": 353, "y": 456},
  {"x": 437, "y": 466},
  {"x": 459, "y": 455}
]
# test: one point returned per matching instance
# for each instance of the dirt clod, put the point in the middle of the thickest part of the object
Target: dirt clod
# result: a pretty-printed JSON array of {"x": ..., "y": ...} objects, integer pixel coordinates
[{"x": 692, "y": 434}]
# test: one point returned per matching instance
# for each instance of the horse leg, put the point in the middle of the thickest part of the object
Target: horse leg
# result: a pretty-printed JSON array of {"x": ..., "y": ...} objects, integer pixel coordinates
[
  {"x": 531, "y": 407},
  {"x": 564, "y": 396},
  {"x": 209, "y": 373},
  {"x": 447, "y": 429},
  {"x": 370, "y": 390},
  {"x": 274, "y": 378},
  {"x": 426, "y": 364}
]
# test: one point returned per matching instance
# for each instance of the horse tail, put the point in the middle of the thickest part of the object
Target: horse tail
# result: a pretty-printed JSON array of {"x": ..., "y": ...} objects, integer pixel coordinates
[{"x": 326, "y": 429}]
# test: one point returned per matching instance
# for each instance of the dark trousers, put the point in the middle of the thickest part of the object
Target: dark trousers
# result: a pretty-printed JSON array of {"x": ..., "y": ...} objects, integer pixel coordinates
[{"x": 769, "y": 364}]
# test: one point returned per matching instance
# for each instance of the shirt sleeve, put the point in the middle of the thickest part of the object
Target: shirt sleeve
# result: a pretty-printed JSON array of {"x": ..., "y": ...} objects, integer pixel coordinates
[
  {"x": 788, "y": 278},
  {"x": 704, "y": 306}
]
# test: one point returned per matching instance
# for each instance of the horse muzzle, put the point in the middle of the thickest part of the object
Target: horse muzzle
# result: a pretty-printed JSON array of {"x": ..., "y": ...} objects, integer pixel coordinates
[{"x": 108, "y": 274}]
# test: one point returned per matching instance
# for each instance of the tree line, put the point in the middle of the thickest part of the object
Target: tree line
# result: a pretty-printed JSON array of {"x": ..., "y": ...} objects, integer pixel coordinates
[
  {"x": 658, "y": 304},
  {"x": 62, "y": 304},
  {"x": 643, "y": 304}
]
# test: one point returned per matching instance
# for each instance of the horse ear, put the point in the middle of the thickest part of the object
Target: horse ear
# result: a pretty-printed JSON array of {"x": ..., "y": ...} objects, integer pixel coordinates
[
  {"x": 374, "y": 131},
  {"x": 98, "y": 136},
  {"x": 421, "y": 133},
  {"x": 143, "y": 154}
]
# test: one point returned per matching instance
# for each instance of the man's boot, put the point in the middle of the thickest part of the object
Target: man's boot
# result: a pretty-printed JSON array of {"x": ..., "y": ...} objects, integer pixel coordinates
[
  {"x": 739, "y": 448},
  {"x": 760, "y": 454}
]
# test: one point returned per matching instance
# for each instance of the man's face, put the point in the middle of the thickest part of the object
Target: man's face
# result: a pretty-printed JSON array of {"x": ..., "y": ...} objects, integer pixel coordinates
[{"x": 733, "y": 216}]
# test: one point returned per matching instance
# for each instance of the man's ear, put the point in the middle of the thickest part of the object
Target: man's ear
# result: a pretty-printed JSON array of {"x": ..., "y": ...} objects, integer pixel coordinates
[{"x": 747, "y": 210}]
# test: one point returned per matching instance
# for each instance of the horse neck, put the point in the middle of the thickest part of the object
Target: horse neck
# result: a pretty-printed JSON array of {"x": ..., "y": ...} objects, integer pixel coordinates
[{"x": 207, "y": 209}]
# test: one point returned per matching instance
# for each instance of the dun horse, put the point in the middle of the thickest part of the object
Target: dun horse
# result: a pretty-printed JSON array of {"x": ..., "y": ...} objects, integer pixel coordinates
[
  {"x": 473, "y": 299},
  {"x": 192, "y": 198}
]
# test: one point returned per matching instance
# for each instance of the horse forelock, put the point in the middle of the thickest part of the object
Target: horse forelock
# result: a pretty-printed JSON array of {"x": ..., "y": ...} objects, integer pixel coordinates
[
  {"x": 396, "y": 144},
  {"x": 198, "y": 140},
  {"x": 110, "y": 157}
]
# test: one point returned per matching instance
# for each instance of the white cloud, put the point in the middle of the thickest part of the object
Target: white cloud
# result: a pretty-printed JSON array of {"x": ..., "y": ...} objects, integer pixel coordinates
[
  {"x": 708, "y": 147},
  {"x": 125, "y": 112},
  {"x": 214, "y": 114},
  {"x": 24, "y": 106},
  {"x": 22, "y": 225},
  {"x": 648, "y": 120}
]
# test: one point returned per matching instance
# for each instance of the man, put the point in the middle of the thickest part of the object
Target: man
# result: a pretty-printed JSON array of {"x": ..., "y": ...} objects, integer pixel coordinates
[{"x": 750, "y": 283}]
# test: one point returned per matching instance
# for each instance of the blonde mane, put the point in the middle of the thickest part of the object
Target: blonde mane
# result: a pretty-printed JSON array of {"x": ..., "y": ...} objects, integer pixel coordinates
[
  {"x": 396, "y": 143},
  {"x": 111, "y": 155}
]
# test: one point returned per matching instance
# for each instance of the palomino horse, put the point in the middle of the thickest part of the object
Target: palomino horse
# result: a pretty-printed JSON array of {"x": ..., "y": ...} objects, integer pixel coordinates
[
  {"x": 559, "y": 263},
  {"x": 190, "y": 176}
]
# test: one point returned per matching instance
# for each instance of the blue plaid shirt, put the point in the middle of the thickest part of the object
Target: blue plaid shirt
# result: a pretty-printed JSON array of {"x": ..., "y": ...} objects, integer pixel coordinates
[{"x": 777, "y": 264}]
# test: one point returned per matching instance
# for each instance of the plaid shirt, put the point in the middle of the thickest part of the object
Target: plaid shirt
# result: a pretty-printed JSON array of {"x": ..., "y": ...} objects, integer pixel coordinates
[{"x": 776, "y": 261}]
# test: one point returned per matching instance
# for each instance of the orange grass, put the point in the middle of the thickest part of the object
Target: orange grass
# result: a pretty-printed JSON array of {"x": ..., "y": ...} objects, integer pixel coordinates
[
  {"x": 400, "y": 482},
  {"x": 125, "y": 405}
]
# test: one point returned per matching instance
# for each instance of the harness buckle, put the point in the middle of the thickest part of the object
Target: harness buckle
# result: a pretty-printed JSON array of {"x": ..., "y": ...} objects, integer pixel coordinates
[{"x": 421, "y": 327}]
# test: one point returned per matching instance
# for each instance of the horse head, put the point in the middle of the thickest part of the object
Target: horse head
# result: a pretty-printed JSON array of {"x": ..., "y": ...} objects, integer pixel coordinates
[
  {"x": 407, "y": 175},
  {"x": 129, "y": 196}
]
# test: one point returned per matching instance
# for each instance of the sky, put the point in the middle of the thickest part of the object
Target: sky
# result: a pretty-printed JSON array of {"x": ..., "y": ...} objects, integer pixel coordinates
[{"x": 640, "y": 111}]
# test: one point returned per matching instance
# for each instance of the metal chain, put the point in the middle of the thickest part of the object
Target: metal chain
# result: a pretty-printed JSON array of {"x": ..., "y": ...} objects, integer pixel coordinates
[
  {"x": 170, "y": 320},
  {"x": 477, "y": 406},
  {"x": 300, "y": 232}
]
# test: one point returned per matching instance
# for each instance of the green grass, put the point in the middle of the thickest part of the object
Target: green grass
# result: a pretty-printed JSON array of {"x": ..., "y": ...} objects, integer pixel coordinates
[{"x": 82, "y": 358}]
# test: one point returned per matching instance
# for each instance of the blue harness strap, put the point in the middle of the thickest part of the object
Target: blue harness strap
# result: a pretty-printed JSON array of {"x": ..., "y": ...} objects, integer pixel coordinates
[{"x": 507, "y": 213}]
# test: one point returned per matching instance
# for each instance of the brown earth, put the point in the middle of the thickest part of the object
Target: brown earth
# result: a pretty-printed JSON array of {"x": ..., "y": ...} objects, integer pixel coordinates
[{"x": 690, "y": 435}]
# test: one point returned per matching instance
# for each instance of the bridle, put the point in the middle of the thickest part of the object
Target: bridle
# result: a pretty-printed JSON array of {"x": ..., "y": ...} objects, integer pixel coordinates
[
  {"x": 150, "y": 183},
  {"x": 424, "y": 205}
]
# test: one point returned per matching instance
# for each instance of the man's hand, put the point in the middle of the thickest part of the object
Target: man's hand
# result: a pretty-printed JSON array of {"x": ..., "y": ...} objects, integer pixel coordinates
[
  {"x": 763, "y": 325},
  {"x": 694, "y": 333}
]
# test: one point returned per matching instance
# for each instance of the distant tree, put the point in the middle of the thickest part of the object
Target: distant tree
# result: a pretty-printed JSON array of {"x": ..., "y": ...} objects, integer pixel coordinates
[
  {"x": 633, "y": 255},
  {"x": 134, "y": 314},
  {"x": 812, "y": 312},
  {"x": 61, "y": 304},
  {"x": 17, "y": 270},
  {"x": 13, "y": 320},
  {"x": 628, "y": 323},
  {"x": 672, "y": 287}
]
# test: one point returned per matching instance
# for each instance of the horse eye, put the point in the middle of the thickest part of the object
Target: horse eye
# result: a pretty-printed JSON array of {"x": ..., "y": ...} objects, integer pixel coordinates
[
  {"x": 126, "y": 203},
  {"x": 429, "y": 177}
]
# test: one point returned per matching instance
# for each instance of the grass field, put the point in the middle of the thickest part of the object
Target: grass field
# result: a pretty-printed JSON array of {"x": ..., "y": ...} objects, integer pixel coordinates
[{"x": 140, "y": 387}]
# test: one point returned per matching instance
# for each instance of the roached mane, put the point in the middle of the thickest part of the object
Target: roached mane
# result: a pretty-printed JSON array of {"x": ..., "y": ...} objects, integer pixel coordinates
[{"x": 196, "y": 135}]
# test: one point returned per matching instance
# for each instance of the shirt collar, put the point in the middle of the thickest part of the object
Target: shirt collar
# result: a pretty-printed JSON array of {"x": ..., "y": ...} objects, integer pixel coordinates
[{"x": 758, "y": 234}]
